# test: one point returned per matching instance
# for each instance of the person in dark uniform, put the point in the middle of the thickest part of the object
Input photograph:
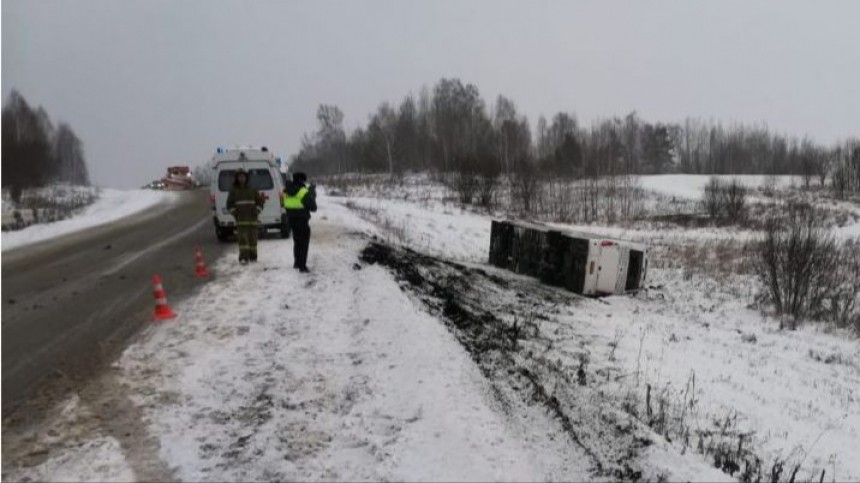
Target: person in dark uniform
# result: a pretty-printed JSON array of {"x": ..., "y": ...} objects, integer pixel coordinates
[
  {"x": 300, "y": 201},
  {"x": 245, "y": 204}
]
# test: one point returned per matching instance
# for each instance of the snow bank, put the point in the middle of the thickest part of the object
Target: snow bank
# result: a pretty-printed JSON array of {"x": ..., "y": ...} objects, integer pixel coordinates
[
  {"x": 433, "y": 228},
  {"x": 55, "y": 195},
  {"x": 111, "y": 206}
]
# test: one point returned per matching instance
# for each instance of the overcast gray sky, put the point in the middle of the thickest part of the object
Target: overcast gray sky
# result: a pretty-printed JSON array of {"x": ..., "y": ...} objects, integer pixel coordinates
[{"x": 152, "y": 83}]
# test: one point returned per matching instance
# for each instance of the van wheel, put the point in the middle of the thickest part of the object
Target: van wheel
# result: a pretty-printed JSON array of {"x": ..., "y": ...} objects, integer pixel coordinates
[{"x": 222, "y": 235}]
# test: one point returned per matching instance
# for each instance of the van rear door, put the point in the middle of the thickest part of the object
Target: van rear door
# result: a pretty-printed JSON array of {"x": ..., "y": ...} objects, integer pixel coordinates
[{"x": 260, "y": 178}]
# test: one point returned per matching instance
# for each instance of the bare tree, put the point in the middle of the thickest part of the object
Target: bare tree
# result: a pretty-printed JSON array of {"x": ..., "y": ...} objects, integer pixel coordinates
[
  {"x": 35, "y": 152},
  {"x": 543, "y": 148},
  {"x": 841, "y": 174},
  {"x": 823, "y": 161},
  {"x": 794, "y": 261},
  {"x": 69, "y": 153},
  {"x": 505, "y": 123},
  {"x": 384, "y": 124},
  {"x": 807, "y": 159}
]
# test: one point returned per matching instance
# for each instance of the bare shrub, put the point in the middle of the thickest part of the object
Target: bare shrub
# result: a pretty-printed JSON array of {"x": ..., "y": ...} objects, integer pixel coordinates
[
  {"x": 466, "y": 185},
  {"x": 524, "y": 187},
  {"x": 487, "y": 186},
  {"x": 841, "y": 296},
  {"x": 768, "y": 187},
  {"x": 841, "y": 180},
  {"x": 795, "y": 261},
  {"x": 724, "y": 200},
  {"x": 712, "y": 197},
  {"x": 49, "y": 204},
  {"x": 558, "y": 202},
  {"x": 734, "y": 196}
]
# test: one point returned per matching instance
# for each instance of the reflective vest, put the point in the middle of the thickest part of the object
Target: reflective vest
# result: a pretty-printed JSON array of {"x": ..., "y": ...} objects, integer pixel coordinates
[{"x": 295, "y": 202}]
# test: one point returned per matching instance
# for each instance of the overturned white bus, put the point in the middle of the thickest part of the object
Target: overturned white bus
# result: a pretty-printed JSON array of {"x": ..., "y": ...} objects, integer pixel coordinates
[{"x": 581, "y": 262}]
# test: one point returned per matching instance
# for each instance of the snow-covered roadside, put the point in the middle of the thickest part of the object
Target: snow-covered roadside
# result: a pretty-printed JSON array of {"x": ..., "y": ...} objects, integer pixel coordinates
[
  {"x": 336, "y": 375},
  {"x": 797, "y": 391},
  {"x": 268, "y": 374},
  {"x": 112, "y": 205},
  {"x": 98, "y": 459},
  {"x": 85, "y": 457},
  {"x": 432, "y": 228},
  {"x": 462, "y": 235}
]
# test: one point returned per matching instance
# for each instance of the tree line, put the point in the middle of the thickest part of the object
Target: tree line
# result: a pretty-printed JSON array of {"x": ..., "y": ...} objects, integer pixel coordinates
[
  {"x": 451, "y": 129},
  {"x": 36, "y": 152}
]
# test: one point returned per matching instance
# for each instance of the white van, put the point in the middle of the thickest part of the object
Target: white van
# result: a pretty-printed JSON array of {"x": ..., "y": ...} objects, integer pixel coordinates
[
  {"x": 263, "y": 174},
  {"x": 584, "y": 263}
]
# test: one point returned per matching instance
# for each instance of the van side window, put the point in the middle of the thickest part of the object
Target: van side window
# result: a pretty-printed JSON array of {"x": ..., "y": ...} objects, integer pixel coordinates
[{"x": 259, "y": 179}]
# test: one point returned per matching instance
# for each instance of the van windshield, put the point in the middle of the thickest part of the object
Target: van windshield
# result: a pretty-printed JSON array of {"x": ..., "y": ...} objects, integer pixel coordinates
[{"x": 259, "y": 179}]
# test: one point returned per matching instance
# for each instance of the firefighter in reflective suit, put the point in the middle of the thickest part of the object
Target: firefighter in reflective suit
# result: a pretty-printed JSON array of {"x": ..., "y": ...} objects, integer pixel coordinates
[{"x": 245, "y": 204}]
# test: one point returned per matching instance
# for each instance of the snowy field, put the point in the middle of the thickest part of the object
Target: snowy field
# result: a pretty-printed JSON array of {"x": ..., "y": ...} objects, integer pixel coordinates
[
  {"x": 794, "y": 393},
  {"x": 111, "y": 206},
  {"x": 691, "y": 185},
  {"x": 345, "y": 374}
]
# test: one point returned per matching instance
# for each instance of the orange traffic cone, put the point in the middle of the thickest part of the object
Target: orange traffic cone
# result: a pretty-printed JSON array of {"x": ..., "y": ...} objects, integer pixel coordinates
[
  {"x": 200, "y": 271},
  {"x": 162, "y": 310}
]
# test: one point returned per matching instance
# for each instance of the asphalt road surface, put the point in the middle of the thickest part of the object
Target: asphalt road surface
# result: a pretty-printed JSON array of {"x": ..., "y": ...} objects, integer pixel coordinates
[{"x": 70, "y": 304}]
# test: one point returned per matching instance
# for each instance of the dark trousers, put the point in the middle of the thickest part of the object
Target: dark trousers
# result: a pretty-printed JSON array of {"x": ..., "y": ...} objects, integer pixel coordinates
[
  {"x": 247, "y": 236},
  {"x": 301, "y": 240}
]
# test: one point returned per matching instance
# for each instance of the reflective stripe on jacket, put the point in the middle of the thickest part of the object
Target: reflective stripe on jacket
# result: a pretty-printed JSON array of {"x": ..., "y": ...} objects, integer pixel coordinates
[
  {"x": 295, "y": 202},
  {"x": 244, "y": 204}
]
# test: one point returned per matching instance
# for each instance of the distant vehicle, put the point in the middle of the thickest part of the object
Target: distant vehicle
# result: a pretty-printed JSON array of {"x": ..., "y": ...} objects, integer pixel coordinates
[
  {"x": 178, "y": 178},
  {"x": 263, "y": 175}
]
